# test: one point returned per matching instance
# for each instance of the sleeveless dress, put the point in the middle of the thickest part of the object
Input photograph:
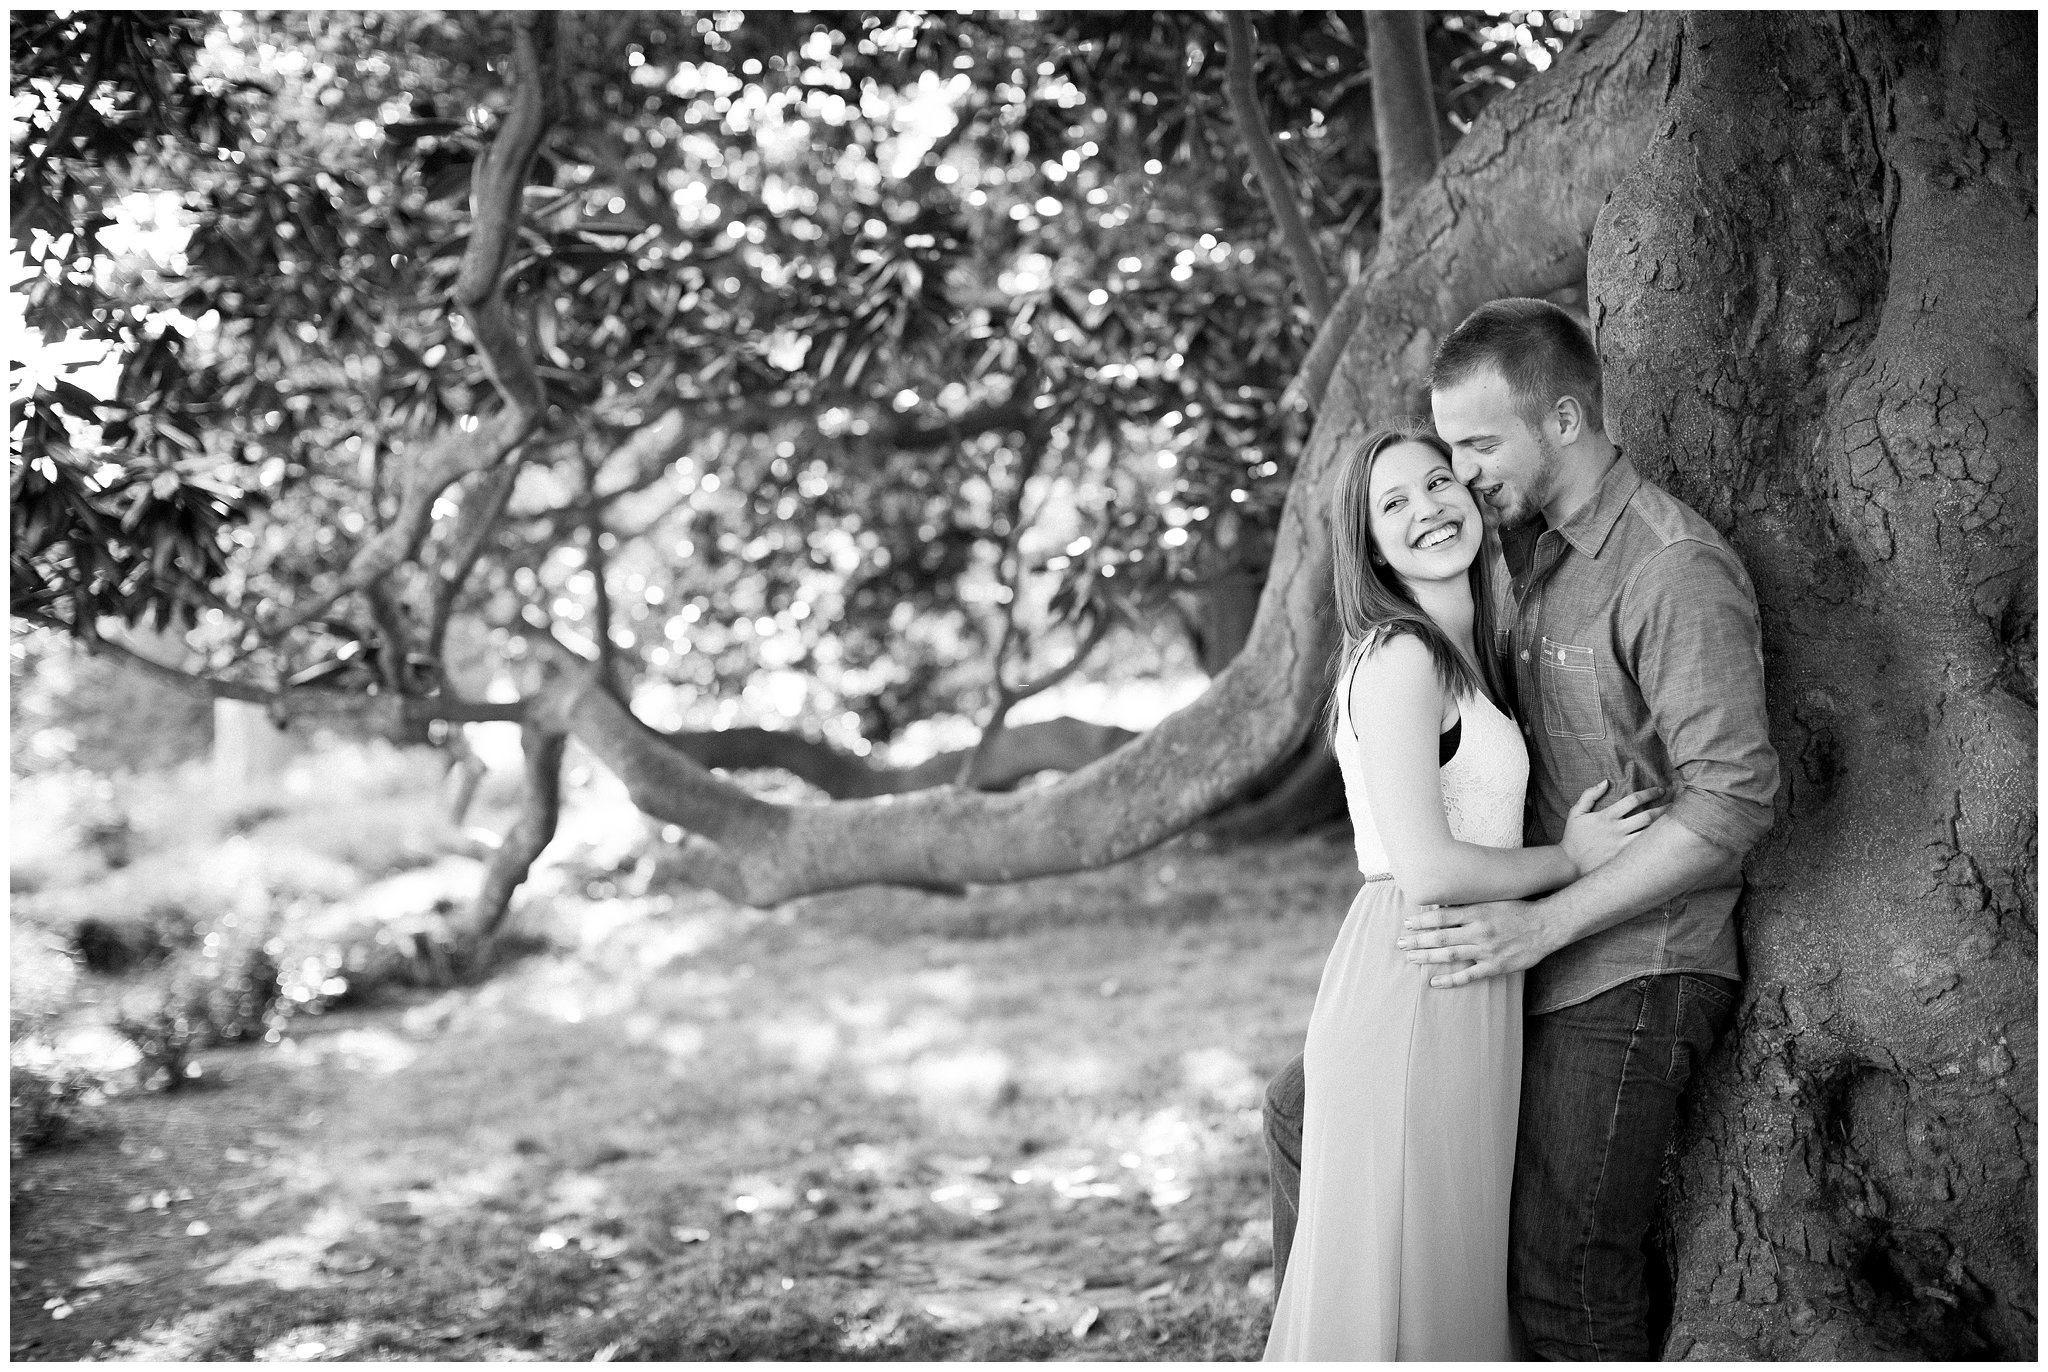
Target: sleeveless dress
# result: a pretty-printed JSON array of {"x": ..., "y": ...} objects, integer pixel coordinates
[{"x": 1408, "y": 1127}]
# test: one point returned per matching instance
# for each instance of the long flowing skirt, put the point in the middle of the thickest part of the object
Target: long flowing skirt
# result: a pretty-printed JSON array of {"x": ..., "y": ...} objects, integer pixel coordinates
[{"x": 1408, "y": 1152}]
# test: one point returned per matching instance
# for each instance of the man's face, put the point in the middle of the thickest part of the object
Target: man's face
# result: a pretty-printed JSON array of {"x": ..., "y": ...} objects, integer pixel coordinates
[{"x": 1510, "y": 467}]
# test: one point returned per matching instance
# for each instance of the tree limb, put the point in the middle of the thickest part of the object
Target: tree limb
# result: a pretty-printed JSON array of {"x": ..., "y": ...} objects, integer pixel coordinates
[
  {"x": 595, "y": 562},
  {"x": 539, "y": 812},
  {"x": 481, "y": 510},
  {"x": 1265, "y": 154},
  {"x": 391, "y": 715},
  {"x": 974, "y": 771},
  {"x": 1053, "y": 745},
  {"x": 474, "y": 444},
  {"x": 1404, "y": 113}
]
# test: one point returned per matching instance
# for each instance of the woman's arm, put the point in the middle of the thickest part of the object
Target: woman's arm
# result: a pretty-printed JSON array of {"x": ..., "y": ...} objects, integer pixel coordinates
[{"x": 1396, "y": 707}]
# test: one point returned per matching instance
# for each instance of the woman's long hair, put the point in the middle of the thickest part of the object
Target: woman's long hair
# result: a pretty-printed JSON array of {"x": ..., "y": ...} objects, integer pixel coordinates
[{"x": 1373, "y": 604}]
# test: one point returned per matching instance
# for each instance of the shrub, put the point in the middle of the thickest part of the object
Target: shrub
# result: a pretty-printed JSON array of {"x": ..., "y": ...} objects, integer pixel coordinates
[
  {"x": 225, "y": 989},
  {"x": 165, "y": 1034},
  {"x": 44, "y": 1101}
]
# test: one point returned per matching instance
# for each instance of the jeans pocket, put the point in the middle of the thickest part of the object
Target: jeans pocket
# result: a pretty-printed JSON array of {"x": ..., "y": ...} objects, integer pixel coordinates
[
  {"x": 1706, "y": 1006},
  {"x": 1571, "y": 692}
]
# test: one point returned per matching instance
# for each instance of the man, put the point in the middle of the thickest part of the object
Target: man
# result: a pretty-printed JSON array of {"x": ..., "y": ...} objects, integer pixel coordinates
[{"x": 1630, "y": 633}]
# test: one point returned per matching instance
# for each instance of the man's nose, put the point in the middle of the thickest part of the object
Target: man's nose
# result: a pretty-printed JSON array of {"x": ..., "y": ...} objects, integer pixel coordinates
[{"x": 1464, "y": 468}]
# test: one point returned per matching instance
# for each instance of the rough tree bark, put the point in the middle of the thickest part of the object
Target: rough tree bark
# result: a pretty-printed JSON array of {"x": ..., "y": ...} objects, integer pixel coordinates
[{"x": 1816, "y": 307}]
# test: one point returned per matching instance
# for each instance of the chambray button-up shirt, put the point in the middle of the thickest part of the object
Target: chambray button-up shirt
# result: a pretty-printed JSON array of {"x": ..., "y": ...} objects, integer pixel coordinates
[{"x": 1632, "y": 640}]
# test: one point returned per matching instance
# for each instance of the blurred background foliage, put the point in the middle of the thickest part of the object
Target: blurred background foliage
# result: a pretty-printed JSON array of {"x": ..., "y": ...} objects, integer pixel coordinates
[{"x": 865, "y": 334}]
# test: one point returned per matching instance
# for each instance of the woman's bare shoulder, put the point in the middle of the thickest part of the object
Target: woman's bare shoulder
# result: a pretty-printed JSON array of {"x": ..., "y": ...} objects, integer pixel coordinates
[
  {"x": 1394, "y": 674},
  {"x": 1394, "y": 657}
]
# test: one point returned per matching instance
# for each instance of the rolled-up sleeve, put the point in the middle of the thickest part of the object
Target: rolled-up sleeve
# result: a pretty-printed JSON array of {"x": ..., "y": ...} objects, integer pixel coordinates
[{"x": 1690, "y": 617}]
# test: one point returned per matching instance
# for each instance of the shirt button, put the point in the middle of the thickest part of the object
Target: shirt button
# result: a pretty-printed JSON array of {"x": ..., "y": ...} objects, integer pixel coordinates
[{"x": 1525, "y": 654}]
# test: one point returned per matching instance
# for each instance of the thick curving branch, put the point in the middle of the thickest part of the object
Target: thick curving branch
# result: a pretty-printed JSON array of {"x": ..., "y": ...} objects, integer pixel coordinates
[
  {"x": 1051, "y": 745},
  {"x": 475, "y": 444},
  {"x": 1509, "y": 209}
]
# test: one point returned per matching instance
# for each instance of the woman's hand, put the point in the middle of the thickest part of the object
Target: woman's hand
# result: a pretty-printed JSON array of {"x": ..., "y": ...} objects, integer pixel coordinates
[{"x": 1591, "y": 838}]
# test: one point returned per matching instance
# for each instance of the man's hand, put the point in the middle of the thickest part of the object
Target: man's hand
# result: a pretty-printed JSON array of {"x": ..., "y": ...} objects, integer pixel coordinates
[{"x": 1491, "y": 939}]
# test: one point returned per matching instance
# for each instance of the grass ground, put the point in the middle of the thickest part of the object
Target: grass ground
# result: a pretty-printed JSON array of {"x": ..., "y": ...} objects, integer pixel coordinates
[{"x": 878, "y": 1125}]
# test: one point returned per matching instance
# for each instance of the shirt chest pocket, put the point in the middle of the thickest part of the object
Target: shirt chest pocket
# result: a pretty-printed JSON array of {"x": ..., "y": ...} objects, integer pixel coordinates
[{"x": 1571, "y": 692}]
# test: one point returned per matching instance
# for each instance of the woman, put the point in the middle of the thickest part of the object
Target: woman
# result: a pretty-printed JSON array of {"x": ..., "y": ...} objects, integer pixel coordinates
[{"x": 1408, "y": 1132}]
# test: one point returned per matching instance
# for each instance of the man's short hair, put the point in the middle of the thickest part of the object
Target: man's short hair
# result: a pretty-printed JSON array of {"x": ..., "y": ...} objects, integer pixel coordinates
[{"x": 1540, "y": 350}]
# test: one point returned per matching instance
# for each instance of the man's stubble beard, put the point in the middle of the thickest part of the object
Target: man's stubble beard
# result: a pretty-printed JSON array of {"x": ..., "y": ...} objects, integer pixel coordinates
[{"x": 1529, "y": 507}]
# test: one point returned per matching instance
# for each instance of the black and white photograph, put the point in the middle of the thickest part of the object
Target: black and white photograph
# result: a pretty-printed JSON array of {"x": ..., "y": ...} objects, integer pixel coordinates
[{"x": 1023, "y": 685}]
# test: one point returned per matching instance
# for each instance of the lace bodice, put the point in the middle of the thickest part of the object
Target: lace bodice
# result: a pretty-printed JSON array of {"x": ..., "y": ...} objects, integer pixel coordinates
[{"x": 1483, "y": 784}]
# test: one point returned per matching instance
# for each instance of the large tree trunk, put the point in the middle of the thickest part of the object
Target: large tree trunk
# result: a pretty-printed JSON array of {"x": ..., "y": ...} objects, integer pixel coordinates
[{"x": 1816, "y": 306}]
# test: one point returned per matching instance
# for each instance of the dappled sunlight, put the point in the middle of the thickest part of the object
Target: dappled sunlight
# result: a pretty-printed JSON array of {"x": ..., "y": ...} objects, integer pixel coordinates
[
  {"x": 574, "y": 992},
  {"x": 1078, "y": 1072},
  {"x": 967, "y": 1083},
  {"x": 758, "y": 1193},
  {"x": 925, "y": 1052},
  {"x": 950, "y": 985},
  {"x": 290, "y": 1262},
  {"x": 313, "y": 1343},
  {"x": 377, "y": 1051},
  {"x": 465, "y": 1191},
  {"x": 681, "y": 1043},
  {"x": 96, "y": 1048},
  {"x": 666, "y": 944},
  {"x": 1223, "y": 1077},
  {"x": 808, "y": 1044}
]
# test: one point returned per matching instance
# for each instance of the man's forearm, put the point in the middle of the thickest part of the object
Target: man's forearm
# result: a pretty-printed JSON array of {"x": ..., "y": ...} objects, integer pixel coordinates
[{"x": 1666, "y": 861}]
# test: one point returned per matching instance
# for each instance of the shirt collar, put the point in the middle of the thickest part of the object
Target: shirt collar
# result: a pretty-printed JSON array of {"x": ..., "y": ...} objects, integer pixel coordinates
[{"x": 1589, "y": 525}]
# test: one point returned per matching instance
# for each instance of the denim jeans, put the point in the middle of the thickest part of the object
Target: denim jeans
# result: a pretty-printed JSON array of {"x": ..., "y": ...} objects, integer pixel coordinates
[
  {"x": 1600, "y": 1088},
  {"x": 1601, "y": 1082},
  {"x": 1284, "y": 1095}
]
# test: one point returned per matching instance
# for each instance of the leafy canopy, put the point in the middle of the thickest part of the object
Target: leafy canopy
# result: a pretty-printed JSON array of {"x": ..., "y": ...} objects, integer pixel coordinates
[{"x": 863, "y": 335}]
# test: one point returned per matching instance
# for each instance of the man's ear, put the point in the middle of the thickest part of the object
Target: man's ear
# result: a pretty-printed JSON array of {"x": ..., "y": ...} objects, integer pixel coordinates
[{"x": 1567, "y": 419}]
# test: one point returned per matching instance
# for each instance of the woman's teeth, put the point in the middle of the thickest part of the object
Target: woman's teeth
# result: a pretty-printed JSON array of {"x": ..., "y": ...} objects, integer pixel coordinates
[{"x": 1443, "y": 533}]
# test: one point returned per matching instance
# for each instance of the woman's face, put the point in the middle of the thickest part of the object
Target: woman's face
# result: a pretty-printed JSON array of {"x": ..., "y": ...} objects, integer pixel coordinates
[{"x": 1424, "y": 522}]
